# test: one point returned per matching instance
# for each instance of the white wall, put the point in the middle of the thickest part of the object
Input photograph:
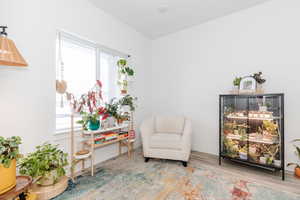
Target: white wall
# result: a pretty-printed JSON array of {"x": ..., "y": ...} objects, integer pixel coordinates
[
  {"x": 27, "y": 96},
  {"x": 192, "y": 67}
]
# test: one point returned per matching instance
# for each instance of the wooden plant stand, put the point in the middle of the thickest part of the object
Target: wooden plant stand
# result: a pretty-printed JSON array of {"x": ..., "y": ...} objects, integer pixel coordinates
[
  {"x": 89, "y": 142},
  {"x": 23, "y": 184}
]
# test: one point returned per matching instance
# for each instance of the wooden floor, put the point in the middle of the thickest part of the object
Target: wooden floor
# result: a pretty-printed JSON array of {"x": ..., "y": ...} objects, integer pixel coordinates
[{"x": 266, "y": 177}]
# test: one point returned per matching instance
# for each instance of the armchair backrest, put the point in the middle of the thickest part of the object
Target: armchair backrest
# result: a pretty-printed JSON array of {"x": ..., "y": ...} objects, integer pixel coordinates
[{"x": 169, "y": 124}]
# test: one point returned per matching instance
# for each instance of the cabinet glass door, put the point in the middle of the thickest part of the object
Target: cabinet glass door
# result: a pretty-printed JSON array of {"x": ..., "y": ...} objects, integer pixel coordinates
[
  {"x": 265, "y": 127},
  {"x": 234, "y": 127}
]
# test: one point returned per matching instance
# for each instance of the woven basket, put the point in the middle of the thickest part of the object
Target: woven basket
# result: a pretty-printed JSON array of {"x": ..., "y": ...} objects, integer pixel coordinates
[{"x": 48, "y": 192}]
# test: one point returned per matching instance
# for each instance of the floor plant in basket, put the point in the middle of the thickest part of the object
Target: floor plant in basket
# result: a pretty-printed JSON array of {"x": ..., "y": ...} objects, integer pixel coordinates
[
  {"x": 297, "y": 165},
  {"x": 45, "y": 165}
]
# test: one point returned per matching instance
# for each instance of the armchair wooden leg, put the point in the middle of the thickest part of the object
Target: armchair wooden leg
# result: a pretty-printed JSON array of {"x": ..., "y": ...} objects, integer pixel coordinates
[
  {"x": 147, "y": 159},
  {"x": 184, "y": 163}
]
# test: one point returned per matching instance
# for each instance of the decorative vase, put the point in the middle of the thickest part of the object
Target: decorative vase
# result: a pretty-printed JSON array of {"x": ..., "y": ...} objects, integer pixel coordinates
[
  {"x": 8, "y": 177},
  {"x": 93, "y": 126},
  {"x": 259, "y": 88},
  {"x": 297, "y": 171}
]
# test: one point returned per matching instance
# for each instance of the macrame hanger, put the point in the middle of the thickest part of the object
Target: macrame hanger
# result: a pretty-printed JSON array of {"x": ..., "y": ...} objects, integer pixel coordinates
[{"x": 61, "y": 66}]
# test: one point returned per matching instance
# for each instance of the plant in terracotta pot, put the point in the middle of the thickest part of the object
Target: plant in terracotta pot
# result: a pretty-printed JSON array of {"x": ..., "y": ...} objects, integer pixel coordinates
[
  {"x": 9, "y": 152},
  {"x": 297, "y": 165},
  {"x": 45, "y": 165}
]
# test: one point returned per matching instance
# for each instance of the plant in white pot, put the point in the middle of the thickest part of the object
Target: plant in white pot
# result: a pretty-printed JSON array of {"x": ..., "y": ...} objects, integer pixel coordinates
[{"x": 45, "y": 165}]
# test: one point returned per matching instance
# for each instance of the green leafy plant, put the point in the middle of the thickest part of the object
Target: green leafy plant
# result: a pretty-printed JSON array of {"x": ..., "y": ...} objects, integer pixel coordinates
[
  {"x": 297, "y": 152},
  {"x": 124, "y": 69},
  {"x": 112, "y": 108},
  {"x": 46, "y": 159},
  {"x": 128, "y": 100},
  {"x": 258, "y": 77},
  {"x": 237, "y": 81},
  {"x": 9, "y": 150}
]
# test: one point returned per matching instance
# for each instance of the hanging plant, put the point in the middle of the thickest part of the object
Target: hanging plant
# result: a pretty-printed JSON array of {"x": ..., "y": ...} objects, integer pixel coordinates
[{"x": 124, "y": 72}]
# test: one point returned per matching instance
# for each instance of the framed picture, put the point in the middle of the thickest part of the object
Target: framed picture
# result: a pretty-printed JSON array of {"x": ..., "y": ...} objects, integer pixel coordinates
[{"x": 248, "y": 85}]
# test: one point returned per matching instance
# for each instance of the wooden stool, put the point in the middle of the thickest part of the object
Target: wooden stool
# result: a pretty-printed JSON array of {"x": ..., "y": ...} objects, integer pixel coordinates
[{"x": 23, "y": 183}]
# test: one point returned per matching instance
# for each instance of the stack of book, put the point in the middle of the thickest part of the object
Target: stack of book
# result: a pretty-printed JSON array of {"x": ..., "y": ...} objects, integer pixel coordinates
[{"x": 106, "y": 137}]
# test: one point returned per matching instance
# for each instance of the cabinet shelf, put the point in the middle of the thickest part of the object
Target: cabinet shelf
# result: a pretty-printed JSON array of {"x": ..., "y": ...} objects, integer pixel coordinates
[
  {"x": 238, "y": 137},
  {"x": 252, "y": 118}
]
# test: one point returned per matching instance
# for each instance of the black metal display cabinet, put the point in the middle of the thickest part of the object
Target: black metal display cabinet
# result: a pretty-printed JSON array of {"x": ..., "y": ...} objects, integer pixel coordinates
[{"x": 252, "y": 130}]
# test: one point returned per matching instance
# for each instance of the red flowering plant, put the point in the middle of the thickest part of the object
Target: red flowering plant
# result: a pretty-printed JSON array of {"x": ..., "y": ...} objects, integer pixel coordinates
[{"x": 89, "y": 106}]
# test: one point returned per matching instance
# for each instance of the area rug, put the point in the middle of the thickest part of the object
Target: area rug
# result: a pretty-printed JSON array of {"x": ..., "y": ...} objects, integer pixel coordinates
[{"x": 123, "y": 179}]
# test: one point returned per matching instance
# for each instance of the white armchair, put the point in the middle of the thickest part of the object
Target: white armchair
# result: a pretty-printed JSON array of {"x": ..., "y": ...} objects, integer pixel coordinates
[{"x": 167, "y": 138}]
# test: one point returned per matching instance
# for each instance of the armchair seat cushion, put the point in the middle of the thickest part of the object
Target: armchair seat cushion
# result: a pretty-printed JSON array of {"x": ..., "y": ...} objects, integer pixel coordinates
[{"x": 166, "y": 141}]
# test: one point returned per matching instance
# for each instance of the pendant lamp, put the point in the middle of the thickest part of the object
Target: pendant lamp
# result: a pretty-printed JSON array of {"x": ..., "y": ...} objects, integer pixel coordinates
[{"x": 9, "y": 54}]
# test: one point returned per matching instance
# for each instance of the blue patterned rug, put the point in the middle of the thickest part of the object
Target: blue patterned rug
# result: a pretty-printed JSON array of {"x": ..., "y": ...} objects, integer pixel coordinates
[{"x": 120, "y": 179}]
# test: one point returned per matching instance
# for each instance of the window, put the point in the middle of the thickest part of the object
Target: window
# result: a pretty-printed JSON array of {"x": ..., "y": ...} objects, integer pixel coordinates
[{"x": 83, "y": 63}]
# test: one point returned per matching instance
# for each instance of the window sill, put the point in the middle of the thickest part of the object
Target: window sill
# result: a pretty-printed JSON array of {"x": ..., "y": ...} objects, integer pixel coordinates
[{"x": 66, "y": 131}]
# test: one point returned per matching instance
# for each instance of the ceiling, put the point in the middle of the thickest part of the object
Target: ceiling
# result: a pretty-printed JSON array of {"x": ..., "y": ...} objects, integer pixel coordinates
[{"x": 155, "y": 18}]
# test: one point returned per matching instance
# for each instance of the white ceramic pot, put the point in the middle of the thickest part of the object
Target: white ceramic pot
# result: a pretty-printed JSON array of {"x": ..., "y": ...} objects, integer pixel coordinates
[{"x": 48, "y": 179}]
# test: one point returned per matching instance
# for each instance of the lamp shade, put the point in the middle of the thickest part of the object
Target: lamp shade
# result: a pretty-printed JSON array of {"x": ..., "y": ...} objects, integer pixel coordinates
[{"x": 9, "y": 54}]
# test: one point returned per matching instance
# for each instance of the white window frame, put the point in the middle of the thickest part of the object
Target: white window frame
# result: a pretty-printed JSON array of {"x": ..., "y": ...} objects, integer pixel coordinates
[{"x": 99, "y": 48}]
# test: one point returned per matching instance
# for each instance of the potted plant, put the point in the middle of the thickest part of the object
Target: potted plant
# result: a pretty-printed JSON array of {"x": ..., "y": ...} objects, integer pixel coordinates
[
  {"x": 45, "y": 165},
  {"x": 89, "y": 121},
  {"x": 297, "y": 165},
  {"x": 88, "y": 106},
  {"x": 129, "y": 101},
  {"x": 9, "y": 152},
  {"x": 124, "y": 72},
  {"x": 260, "y": 80},
  {"x": 236, "y": 83}
]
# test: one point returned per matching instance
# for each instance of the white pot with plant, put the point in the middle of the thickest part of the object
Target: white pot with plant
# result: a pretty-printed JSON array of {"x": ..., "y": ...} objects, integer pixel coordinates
[{"x": 236, "y": 84}]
